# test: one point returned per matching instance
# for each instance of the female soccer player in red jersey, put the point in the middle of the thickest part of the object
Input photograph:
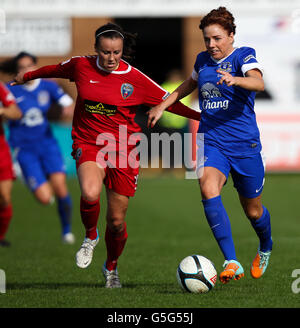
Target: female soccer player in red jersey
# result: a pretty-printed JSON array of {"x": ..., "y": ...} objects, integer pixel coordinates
[
  {"x": 8, "y": 110},
  {"x": 109, "y": 93}
]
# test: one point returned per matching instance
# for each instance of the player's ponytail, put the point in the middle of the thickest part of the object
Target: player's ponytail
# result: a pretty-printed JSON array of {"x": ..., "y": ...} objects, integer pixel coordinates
[
  {"x": 111, "y": 30},
  {"x": 10, "y": 66},
  {"x": 219, "y": 16}
]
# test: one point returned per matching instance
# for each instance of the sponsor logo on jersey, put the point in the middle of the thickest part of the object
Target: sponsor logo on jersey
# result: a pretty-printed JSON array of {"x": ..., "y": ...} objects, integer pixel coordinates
[
  {"x": 209, "y": 92},
  {"x": 96, "y": 107},
  {"x": 222, "y": 104},
  {"x": 32, "y": 117},
  {"x": 126, "y": 90},
  {"x": 225, "y": 67}
]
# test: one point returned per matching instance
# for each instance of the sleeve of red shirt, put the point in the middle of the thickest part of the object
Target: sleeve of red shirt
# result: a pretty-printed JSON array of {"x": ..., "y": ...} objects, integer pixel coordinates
[
  {"x": 6, "y": 97},
  {"x": 64, "y": 70},
  {"x": 155, "y": 94}
]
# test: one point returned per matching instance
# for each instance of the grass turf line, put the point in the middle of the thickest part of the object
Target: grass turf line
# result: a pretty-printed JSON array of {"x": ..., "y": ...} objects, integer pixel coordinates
[{"x": 165, "y": 223}]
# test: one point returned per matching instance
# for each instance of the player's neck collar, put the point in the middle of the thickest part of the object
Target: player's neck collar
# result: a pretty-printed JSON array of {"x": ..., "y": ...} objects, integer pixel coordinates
[
  {"x": 128, "y": 69},
  {"x": 32, "y": 86},
  {"x": 222, "y": 59}
]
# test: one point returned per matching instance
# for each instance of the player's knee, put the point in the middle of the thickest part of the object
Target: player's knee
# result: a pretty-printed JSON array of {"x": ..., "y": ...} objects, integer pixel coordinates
[
  {"x": 61, "y": 191},
  {"x": 209, "y": 190},
  {"x": 115, "y": 223},
  {"x": 90, "y": 192},
  {"x": 90, "y": 195},
  {"x": 5, "y": 200},
  {"x": 44, "y": 197},
  {"x": 253, "y": 213}
]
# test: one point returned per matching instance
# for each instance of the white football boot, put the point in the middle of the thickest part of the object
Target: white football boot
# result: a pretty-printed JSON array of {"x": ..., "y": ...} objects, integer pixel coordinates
[
  {"x": 85, "y": 254},
  {"x": 112, "y": 279},
  {"x": 68, "y": 238}
]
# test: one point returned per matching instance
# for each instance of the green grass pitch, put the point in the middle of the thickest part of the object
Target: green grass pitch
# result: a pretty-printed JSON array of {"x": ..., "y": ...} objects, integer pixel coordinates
[{"x": 165, "y": 223}]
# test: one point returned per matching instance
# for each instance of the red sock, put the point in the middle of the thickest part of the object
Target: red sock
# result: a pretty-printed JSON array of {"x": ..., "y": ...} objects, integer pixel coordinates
[
  {"x": 5, "y": 218},
  {"x": 89, "y": 216},
  {"x": 115, "y": 243}
]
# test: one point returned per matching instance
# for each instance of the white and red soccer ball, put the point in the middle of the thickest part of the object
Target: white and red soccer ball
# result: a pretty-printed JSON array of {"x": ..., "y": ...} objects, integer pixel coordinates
[{"x": 196, "y": 274}]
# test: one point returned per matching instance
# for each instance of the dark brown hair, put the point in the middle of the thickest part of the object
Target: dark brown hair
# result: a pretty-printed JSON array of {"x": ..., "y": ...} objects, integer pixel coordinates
[
  {"x": 10, "y": 66},
  {"x": 111, "y": 30},
  {"x": 220, "y": 16}
]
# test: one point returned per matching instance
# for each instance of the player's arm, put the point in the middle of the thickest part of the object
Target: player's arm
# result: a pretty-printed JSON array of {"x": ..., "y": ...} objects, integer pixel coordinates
[
  {"x": 64, "y": 70},
  {"x": 172, "y": 104},
  {"x": 8, "y": 110},
  {"x": 49, "y": 71},
  {"x": 67, "y": 112},
  {"x": 62, "y": 99},
  {"x": 252, "y": 81},
  {"x": 11, "y": 112},
  {"x": 67, "y": 104}
]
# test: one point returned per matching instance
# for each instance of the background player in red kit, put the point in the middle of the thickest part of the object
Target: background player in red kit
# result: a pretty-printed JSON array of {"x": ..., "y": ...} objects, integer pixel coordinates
[
  {"x": 109, "y": 93},
  {"x": 8, "y": 110}
]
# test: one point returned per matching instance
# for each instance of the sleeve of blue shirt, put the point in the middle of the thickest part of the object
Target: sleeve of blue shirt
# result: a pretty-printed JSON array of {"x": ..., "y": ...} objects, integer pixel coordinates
[
  {"x": 247, "y": 60},
  {"x": 58, "y": 95}
]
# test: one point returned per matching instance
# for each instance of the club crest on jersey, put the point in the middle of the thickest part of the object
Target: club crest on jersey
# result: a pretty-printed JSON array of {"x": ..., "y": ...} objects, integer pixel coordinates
[
  {"x": 225, "y": 67},
  {"x": 126, "y": 90},
  {"x": 43, "y": 98}
]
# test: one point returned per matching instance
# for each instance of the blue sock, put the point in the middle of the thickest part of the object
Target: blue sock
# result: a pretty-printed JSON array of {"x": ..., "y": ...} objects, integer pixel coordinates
[
  {"x": 65, "y": 213},
  {"x": 219, "y": 223},
  {"x": 262, "y": 227}
]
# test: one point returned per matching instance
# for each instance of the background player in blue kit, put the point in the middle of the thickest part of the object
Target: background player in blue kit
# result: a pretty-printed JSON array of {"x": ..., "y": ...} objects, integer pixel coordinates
[
  {"x": 35, "y": 148},
  {"x": 227, "y": 79}
]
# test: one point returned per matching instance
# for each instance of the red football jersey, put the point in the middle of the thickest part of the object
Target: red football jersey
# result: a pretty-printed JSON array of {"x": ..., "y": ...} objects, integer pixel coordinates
[
  {"x": 6, "y": 99},
  {"x": 106, "y": 99}
]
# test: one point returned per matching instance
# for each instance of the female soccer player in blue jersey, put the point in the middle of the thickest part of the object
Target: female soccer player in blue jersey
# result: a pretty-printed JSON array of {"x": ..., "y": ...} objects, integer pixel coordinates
[
  {"x": 227, "y": 79},
  {"x": 36, "y": 150}
]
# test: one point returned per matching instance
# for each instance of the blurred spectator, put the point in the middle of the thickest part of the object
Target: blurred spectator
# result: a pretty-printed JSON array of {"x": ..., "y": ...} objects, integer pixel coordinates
[
  {"x": 169, "y": 121},
  {"x": 174, "y": 123}
]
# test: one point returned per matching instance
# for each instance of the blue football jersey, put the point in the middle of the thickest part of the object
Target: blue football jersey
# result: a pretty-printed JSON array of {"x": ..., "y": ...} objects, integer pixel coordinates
[
  {"x": 228, "y": 120},
  {"x": 34, "y": 100}
]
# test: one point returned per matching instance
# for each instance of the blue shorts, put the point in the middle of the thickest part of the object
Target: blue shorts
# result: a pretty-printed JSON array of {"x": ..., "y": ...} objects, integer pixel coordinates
[
  {"x": 39, "y": 161},
  {"x": 248, "y": 173}
]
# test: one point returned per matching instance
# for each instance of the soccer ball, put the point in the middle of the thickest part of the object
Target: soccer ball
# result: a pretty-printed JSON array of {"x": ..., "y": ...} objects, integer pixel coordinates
[{"x": 196, "y": 274}]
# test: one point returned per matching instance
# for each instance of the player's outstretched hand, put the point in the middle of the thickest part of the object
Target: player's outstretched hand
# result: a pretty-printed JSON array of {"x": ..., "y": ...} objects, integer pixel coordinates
[
  {"x": 18, "y": 79},
  {"x": 226, "y": 78},
  {"x": 154, "y": 114}
]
